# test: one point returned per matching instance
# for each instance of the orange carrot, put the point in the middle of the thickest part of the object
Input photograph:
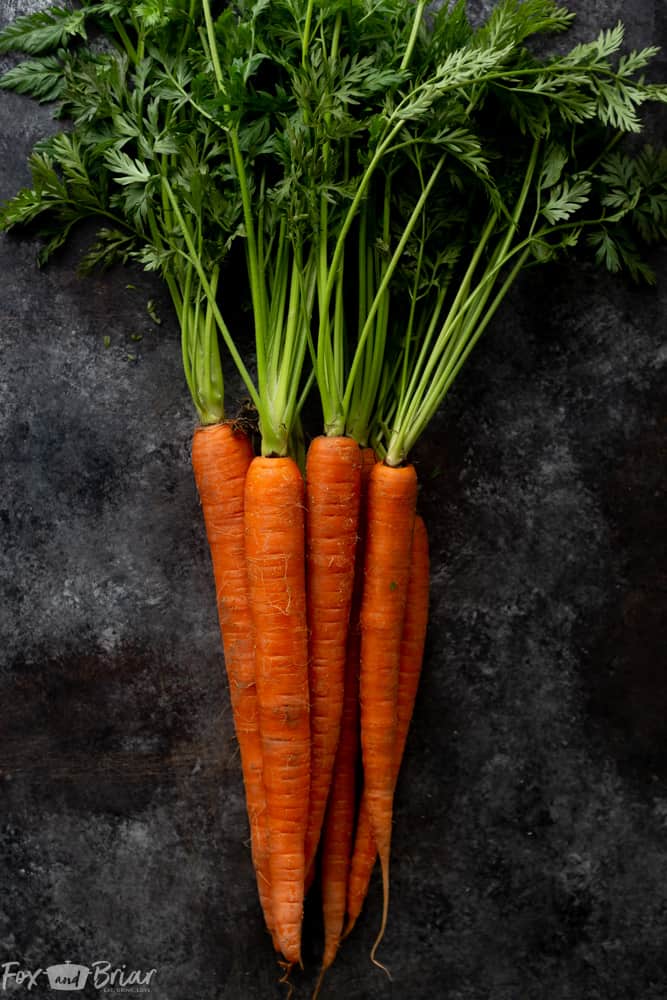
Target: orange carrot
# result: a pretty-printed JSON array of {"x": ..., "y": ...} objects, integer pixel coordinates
[
  {"x": 333, "y": 477},
  {"x": 392, "y": 497},
  {"x": 339, "y": 823},
  {"x": 274, "y": 545},
  {"x": 412, "y": 652},
  {"x": 220, "y": 460}
]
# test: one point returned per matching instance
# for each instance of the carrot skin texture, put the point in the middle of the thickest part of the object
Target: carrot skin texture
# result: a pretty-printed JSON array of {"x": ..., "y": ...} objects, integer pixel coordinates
[
  {"x": 339, "y": 822},
  {"x": 412, "y": 653},
  {"x": 221, "y": 457},
  {"x": 333, "y": 481},
  {"x": 275, "y": 555},
  {"x": 392, "y": 499}
]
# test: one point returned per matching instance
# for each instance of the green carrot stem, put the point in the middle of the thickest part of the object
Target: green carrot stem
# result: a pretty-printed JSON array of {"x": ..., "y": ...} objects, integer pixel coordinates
[
  {"x": 384, "y": 284},
  {"x": 416, "y": 24},
  {"x": 257, "y": 288},
  {"x": 206, "y": 286},
  {"x": 125, "y": 38}
]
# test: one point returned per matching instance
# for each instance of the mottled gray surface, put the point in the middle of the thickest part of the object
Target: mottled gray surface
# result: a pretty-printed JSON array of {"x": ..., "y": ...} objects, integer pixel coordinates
[{"x": 530, "y": 850}]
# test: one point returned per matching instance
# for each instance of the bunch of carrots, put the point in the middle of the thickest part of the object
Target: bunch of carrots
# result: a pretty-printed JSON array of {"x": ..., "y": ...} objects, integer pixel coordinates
[
  {"x": 322, "y": 591},
  {"x": 379, "y": 178}
]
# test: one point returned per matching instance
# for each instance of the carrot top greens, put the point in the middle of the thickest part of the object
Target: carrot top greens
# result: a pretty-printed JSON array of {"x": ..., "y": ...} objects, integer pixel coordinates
[{"x": 384, "y": 175}]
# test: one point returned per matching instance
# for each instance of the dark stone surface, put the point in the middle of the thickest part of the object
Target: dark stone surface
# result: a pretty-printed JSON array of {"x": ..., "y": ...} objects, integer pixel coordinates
[{"x": 530, "y": 850}]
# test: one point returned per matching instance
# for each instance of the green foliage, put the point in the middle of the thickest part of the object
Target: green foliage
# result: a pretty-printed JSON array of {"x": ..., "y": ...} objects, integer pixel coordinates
[
  {"x": 645, "y": 189},
  {"x": 565, "y": 199},
  {"x": 512, "y": 22},
  {"x": 39, "y": 78},
  {"x": 43, "y": 31},
  {"x": 384, "y": 174},
  {"x": 111, "y": 246}
]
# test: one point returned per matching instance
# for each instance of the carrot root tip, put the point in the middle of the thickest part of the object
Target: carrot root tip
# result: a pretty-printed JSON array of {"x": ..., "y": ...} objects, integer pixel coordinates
[
  {"x": 349, "y": 927},
  {"x": 285, "y": 978},
  {"x": 379, "y": 964},
  {"x": 384, "y": 862},
  {"x": 318, "y": 985}
]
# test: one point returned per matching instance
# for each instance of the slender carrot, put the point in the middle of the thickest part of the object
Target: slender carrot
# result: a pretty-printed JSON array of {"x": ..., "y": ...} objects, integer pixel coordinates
[
  {"x": 221, "y": 457},
  {"x": 392, "y": 497},
  {"x": 339, "y": 822},
  {"x": 412, "y": 652},
  {"x": 275, "y": 555},
  {"x": 333, "y": 480}
]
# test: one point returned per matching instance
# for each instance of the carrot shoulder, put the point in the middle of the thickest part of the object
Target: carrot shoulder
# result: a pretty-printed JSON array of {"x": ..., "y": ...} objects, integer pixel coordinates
[
  {"x": 392, "y": 497},
  {"x": 274, "y": 546},
  {"x": 333, "y": 476},
  {"x": 221, "y": 457},
  {"x": 412, "y": 653}
]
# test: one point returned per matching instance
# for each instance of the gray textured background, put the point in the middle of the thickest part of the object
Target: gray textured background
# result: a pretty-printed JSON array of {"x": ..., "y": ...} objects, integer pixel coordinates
[{"x": 530, "y": 849}]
